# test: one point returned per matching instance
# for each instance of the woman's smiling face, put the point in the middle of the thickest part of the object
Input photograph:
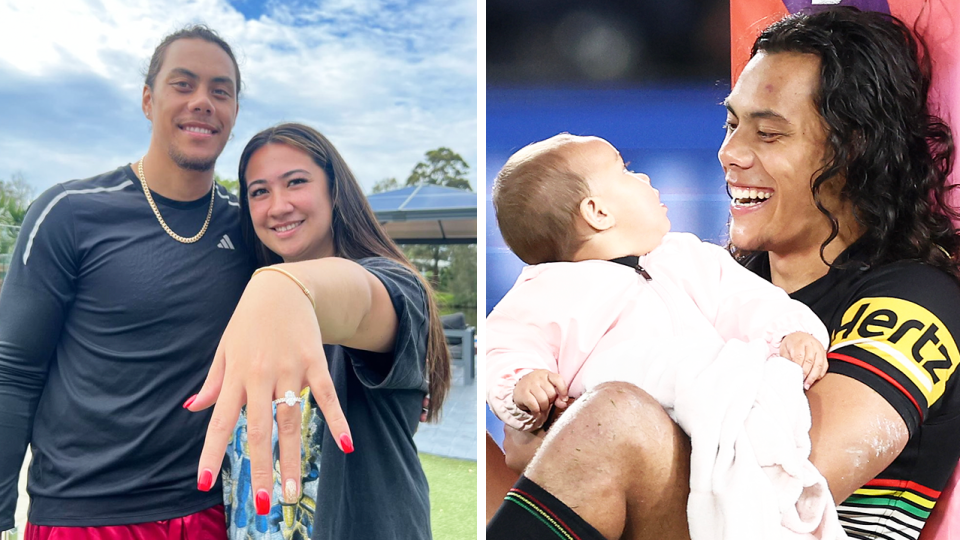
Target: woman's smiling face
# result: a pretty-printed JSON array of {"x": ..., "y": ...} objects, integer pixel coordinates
[{"x": 290, "y": 206}]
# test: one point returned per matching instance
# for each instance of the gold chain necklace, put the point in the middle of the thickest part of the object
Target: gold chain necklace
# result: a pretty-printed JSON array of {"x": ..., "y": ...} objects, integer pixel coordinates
[{"x": 156, "y": 211}]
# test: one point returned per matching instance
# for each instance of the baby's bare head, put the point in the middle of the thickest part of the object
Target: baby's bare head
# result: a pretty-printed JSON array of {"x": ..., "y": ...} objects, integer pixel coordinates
[{"x": 537, "y": 199}]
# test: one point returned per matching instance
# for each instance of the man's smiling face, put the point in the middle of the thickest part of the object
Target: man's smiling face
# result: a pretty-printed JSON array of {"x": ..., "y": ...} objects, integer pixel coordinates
[
  {"x": 775, "y": 145},
  {"x": 193, "y": 103}
]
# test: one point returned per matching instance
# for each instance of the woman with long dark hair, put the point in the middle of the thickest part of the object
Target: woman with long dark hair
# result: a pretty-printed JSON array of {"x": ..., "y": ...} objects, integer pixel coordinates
[{"x": 381, "y": 341}]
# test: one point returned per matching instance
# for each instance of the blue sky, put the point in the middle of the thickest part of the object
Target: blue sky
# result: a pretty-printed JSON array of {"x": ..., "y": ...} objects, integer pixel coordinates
[{"x": 385, "y": 80}]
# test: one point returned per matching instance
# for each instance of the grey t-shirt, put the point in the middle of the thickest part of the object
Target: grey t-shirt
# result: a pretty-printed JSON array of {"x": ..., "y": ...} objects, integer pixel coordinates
[
  {"x": 379, "y": 492},
  {"x": 107, "y": 325}
]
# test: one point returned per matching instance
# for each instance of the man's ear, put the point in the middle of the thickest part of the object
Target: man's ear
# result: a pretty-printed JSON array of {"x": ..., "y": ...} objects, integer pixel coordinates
[
  {"x": 147, "y": 103},
  {"x": 596, "y": 214}
]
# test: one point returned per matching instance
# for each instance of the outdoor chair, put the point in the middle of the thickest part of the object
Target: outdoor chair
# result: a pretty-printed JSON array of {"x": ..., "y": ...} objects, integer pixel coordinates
[{"x": 460, "y": 342}]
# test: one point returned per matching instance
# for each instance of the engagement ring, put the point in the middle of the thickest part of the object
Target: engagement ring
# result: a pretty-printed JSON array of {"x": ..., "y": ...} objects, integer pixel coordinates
[{"x": 289, "y": 398}]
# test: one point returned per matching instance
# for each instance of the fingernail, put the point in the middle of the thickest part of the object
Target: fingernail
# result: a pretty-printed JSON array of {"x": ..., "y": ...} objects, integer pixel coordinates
[
  {"x": 263, "y": 502},
  {"x": 806, "y": 386},
  {"x": 189, "y": 401},
  {"x": 206, "y": 480},
  {"x": 346, "y": 443},
  {"x": 290, "y": 491}
]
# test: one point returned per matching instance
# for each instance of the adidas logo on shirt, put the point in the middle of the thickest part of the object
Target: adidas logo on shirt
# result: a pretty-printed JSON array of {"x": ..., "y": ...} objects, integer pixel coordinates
[{"x": 225, "y": 243}]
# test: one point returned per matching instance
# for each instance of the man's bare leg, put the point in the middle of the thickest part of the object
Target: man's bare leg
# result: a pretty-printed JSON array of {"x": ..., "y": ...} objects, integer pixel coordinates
[
  {"x": 499, "y": 478},
  {"x": 619, "y": 462}
]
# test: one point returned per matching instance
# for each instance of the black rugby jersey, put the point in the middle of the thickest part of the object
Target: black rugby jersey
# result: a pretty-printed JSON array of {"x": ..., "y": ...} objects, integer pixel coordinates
[{"x": 895, "y": 328}]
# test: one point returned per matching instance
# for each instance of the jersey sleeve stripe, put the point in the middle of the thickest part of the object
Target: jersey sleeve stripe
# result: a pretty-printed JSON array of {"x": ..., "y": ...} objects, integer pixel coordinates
[
  {"x": 895, "y": 357},
  {"x": 220, "y": 194},
  {"x": 875, "y": 516},
  {"x": 856, "y": 535},
  {"x": 904, "y": 484},
  {"x": 873, "y": 532},
  {"x": 53, "y": 202},
  {"x": 889, "y": 503},
  {"x": 876, "y": 371},
  {"x": 906, "y": 495},
  {"x": 879, "y": 522}
]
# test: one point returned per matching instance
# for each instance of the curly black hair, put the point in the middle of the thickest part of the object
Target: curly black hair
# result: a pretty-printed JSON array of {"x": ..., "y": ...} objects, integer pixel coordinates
[{"x": 883, "y": 139}]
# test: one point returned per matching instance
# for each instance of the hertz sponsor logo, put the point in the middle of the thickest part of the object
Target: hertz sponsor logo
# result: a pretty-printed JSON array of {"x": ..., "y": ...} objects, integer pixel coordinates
[{"x": 906, "y": 335}]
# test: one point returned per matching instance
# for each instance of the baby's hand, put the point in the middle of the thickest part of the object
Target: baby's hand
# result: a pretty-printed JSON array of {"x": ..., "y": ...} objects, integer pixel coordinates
[
  {"x": 537, "y": 390},
  {"x": 805, "y": 350}
]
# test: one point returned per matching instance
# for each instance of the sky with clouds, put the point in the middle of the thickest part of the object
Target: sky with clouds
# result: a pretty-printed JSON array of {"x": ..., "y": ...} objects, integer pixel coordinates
[{"x": 384, "y": 80}]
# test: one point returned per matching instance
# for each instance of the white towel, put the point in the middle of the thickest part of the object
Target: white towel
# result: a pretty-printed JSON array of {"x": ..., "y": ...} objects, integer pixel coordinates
[{"x": 748, "y": 421}]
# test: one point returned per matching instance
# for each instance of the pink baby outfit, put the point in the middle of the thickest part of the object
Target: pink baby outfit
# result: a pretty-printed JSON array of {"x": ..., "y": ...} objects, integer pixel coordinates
[
  {"x": 563, "y": 316},
  {"x": 701, "y": 336}
]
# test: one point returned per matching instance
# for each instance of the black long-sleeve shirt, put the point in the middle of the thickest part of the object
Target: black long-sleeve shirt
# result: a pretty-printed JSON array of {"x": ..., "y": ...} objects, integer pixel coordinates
[{"x": 107, "y": 324}]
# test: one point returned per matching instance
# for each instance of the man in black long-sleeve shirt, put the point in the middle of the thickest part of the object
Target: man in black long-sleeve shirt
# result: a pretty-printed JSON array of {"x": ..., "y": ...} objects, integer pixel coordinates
[{"x": 108, "y": 317}]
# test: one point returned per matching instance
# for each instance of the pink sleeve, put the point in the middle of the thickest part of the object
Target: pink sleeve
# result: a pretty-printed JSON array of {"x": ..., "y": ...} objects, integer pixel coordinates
[
  {"x": 552, "y": 321},
  {"x": 739, "y": 303},
  {"x": 514, "y": 349}
]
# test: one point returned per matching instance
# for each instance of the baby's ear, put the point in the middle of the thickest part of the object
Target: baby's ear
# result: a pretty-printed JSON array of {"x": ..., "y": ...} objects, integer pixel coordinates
[{"x": 596, "y": 214}]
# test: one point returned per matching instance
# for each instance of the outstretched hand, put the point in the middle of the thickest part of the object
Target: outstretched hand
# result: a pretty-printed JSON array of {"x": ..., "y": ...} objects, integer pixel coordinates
[{"x": 272, "y": 345}]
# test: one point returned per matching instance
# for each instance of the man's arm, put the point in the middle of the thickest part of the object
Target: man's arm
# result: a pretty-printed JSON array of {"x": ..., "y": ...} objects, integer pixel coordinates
[
  {"x": 36, "y": 289},
  {"x": 893, "y": 359},
  {"x": 855, "y": 434}
]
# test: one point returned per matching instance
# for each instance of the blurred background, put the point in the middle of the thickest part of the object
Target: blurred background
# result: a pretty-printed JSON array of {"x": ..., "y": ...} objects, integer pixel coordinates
[
  {"x": 607, "y": 42},
  {"x": 649, "y": 76}
]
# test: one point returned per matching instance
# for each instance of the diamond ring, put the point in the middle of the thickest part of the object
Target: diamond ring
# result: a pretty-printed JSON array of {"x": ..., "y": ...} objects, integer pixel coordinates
[{"x": 289, "y": 398}]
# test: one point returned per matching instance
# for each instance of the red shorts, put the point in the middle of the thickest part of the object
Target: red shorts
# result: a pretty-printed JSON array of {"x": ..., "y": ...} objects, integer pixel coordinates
[{"x": 209, "y": 524}]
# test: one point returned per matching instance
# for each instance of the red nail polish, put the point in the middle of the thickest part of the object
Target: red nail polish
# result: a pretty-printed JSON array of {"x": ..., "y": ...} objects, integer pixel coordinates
[
  {"x": 206, "y": 480},
  {"x": 189, "y": 401},
  {"x": 346, "y": 443},
  {"x": 263, "y": 502}
]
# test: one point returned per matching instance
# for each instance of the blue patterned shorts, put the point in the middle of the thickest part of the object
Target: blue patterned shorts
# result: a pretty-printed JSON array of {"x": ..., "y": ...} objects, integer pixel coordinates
[{"x": 284, "y": 522}]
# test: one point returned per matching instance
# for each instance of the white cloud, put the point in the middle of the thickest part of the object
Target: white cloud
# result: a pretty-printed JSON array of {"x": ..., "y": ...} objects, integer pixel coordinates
[{"x": 386, "y": 81}]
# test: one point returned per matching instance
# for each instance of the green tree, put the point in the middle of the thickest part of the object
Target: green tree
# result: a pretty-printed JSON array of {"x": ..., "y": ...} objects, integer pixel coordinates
[
  {"x": 451, "y": 269},
  {"x": 428, "y": 258},
  {"x": 15, "y": 197},
  {"x": 385, "y": 185},
  {"x": 442, "y": 167},
  {"x": 233, "y": 186},
  {"x": 461, "y": 276}
]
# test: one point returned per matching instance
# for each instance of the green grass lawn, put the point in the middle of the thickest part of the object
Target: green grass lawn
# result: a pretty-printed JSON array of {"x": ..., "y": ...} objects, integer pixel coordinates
[{"x": 453, "y": 497}]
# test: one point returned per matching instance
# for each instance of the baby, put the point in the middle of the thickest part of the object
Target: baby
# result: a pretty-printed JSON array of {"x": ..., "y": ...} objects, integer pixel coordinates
[{"x": 610, "y": 283}]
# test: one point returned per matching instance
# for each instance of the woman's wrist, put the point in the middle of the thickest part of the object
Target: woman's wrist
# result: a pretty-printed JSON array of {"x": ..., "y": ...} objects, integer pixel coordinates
[{"x": 289, "y": 275}]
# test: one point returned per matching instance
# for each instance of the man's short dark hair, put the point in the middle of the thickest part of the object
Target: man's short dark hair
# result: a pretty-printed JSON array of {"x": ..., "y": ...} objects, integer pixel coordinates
[{"x": 197, "y": 31}]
